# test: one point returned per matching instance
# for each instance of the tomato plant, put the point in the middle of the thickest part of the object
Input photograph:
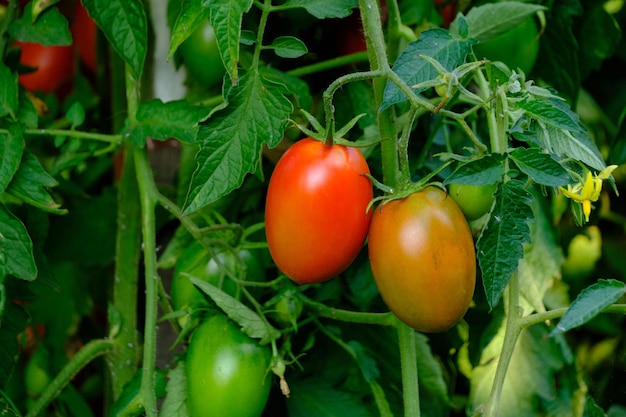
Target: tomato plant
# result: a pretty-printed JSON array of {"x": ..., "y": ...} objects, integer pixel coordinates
[
  {"x": 53, "y": 66},
  {"x": 517, "y": 47},
  {"x": 422, "y": 256},
  {"x": 473, "y": 200},
  {"x": 201, "y": 56},
  {"x": 447, "y": 10},
  {"x": 315, "y": 211},
  {"x": 227, "y": 372},
  {"x": 84, "y": 33},
  {"x": 197, "y": 262}
]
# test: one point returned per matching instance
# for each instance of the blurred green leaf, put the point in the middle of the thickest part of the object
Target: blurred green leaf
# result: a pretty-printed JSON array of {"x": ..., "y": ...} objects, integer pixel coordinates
[
  {"x": 51, "y": 28},
  {"x": 11, "y": 149},
  {"x": 492, "y": 19},
  {"x": 314, "y": 397},
  {"x": 324, "y": 9},
  {"x": 13, "y": 322},
  {"x": 9, "y": 92}
]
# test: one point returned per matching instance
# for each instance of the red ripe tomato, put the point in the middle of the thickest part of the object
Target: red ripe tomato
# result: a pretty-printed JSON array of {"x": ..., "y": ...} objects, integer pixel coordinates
[
  {"x": 423, "y": 260},
  {"x": 316, "y": 217},
  {"x": 447, "y": 10},
  {"x": 54, "y": 66},
  {"x": 84, "y": 32}
]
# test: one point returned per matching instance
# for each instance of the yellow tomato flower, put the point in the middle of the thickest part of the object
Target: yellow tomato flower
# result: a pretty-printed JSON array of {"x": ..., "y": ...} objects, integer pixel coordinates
[{"x": 588, "y": 191}]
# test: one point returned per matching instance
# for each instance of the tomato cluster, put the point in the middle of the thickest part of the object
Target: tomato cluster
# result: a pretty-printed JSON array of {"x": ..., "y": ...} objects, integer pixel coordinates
[
  {"x": 52, "y": 67},
  {"x": 420, "y": 247}
]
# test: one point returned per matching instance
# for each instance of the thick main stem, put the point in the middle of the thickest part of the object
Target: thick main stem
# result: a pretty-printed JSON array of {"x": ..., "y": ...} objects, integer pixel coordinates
[{"x": 408, "y": 359}]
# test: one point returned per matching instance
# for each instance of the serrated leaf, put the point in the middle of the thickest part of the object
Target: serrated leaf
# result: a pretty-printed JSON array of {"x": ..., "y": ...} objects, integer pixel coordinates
[
  {"x": 412, "y": 69},
  {"x": 589, "y": 303},
  {"x": 158, "y": 120},
  {"x": 324, "y": 9},
  {"x": 552, "y": 111},
  {"x": 540, "y": 167},
  {"x": 192, "y": 14},
  {"x": 11, "y": 149},
  {"x": 30, "y": 182},
  {"x": 226, "y": 17},
  {"x": 289, "y": 47},
  {"x": 175, "y": 403},
  {"x": 232, "y": 139},
  {"x": 483, "y": 171},
  {"x": 295, "y": 85},
  {"x": 16, "y": 248},
  {"x": 125, "y": 26},
  {"x": 9, "y": 92},
  {"x": 490, "y": 20},
  {"x": 251, "y": 323},
  {"x": 563, "y": 143},
  {"x": 51, "y": 28},
  {"x": 500, "y": 244}
]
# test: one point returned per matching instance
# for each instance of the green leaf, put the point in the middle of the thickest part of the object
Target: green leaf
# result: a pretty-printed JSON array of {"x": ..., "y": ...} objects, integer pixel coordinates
[
  {"x": 602, "y": 35},
  {"x": 483, "y": 171},
  {"x": 192, "y": 14},
  {"x": 9, "y": 92},
  {"x": 324, "y": 9},
  {"x": 14, "y": 320},
  {"x": 16, "y": 248},
  {"x": 50, "y": 28},
  {"x": 76, "y": 114},
  {"x": 289, "y": 47},
  {"x": 30, "y": 182},
  {"x": 578, "y": 146},
  {"x": 552, "y": 111},
  {"x": 500, "y": 244},
  {"x": 540, "y": 167},
  {"x": 125, "y": 26},
  {"x": 175, "y": 119},
  {"x": 251, "y": 323},
  {"x": 175, "y": 403},
  {"x": 226, "y": 17},
  {"x": 490, "y": 20},
  {"x": 366, "y": 363},
  {"x": 231, "y": 141},
  {"x": 589, "y": 303},
  {"x": 306, "y": 400},
  {"x": 412, "y": 69},
  {"x": 298, "y": 88},
  {"x": 11, "y": 149},
  {"x": 558, "y": 60}
]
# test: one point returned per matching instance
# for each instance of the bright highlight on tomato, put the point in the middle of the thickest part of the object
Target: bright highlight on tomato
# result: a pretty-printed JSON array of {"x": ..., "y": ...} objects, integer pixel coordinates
[
  {"x": 316, "y": 217},
  {"x": 227, "y": 371},
  {"x": 423, "y": 261}
]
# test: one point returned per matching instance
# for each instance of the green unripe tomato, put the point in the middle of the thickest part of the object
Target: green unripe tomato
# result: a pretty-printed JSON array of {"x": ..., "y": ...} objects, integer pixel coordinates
[
  {"x": 474, "y": 200},
  {"x": 517, "y": 48},
  {"x": 227, "y": 371},
  {"x": 196, "y": 261},
  {"x": 36, "y": 377},
  {"x": 202, "y": 57}
]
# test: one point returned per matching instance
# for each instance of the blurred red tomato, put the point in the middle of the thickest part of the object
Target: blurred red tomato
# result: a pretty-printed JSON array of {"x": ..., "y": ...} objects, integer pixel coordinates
[{"x": 54, "y": 66}]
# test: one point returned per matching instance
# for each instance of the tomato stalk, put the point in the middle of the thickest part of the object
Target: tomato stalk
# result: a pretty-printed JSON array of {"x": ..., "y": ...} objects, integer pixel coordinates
[
  {"x": 408, "y": 360},
  {"x": 92, "y": 350},
  {"x": 383, "y": 319}
]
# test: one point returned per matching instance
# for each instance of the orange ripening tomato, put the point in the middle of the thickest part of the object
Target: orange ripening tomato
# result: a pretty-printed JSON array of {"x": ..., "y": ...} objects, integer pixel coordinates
[
  {"x": 316, "y": 217},
  {"x": 423, "y": 260},
  {"x": 54, "y": 66}
]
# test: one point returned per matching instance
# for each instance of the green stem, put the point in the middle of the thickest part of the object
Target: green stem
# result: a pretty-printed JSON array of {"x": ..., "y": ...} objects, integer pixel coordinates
[
  {"x": 266, "y": 9},
  {"x": 383, "y": 319},
  {"x": 147, "y": 194},
  {"x": 102, "y": 137},
  {"x": 511, "y": 334},
  {"x": 84, "y": 356},
  {"x": 123, "y": 309},
  {"x": 408, "y": 359},
  {"x": 329, "y": 64}
]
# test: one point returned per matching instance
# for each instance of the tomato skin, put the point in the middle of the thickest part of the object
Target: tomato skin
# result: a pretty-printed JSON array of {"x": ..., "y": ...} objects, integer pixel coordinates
[
  {"x": 423, "y": 261},
  {"x": 447, "y": 11},
  {"x": 517, "y": 48},
  {"x": 474, "y": 200},
  {"x": 196, "y": 261},
  {"x": 316, "y": 217},
  {"x": 84, "y": 32},
  {"x": 55, "y": 66},
  {"x": 226, "y": 371},
  {"x": 202, "y": 57}
]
